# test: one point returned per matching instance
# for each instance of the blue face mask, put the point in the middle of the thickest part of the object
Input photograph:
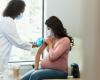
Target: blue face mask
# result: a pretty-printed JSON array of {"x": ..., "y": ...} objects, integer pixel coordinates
[
  {"x": 50, "y": 33},
  {"x": 19, "y": 16}
]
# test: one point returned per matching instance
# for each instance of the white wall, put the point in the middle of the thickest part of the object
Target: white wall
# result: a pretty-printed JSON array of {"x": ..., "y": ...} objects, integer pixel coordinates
[{"x": 70, "y": 12}]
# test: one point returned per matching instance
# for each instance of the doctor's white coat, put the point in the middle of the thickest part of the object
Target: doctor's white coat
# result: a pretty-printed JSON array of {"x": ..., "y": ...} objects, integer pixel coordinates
[{"x": 9, "y": 37}]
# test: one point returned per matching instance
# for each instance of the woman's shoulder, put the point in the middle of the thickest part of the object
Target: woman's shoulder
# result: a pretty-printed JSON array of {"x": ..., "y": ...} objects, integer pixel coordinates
[{"x": 65, "y": 39}]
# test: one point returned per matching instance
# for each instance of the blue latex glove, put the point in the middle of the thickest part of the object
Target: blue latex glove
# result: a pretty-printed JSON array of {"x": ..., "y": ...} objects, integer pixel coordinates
[{"x": 39, "y": 42}]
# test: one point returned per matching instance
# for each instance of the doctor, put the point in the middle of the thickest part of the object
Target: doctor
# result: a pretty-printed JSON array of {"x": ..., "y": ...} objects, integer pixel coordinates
[{"x": 8, "y": 32}]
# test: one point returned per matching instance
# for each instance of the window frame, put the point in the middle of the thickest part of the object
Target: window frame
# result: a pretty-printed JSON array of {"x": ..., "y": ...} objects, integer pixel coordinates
[{"x": 29, "y": 61}]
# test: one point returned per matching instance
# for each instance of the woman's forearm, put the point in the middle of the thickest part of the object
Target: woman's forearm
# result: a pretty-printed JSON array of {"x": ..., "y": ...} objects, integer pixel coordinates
[{"x": 37, "y": 59}]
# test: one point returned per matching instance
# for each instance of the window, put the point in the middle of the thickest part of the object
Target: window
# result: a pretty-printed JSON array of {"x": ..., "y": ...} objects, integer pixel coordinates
[{"x": 29, "y": 28}]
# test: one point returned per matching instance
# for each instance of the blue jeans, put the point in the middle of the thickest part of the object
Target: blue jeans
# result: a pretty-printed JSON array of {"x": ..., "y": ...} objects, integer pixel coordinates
[{"x": 45, "y": 74}]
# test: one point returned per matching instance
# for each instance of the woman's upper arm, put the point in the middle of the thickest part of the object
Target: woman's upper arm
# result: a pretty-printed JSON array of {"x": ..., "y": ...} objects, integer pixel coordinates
[{"x": 41, "y": 49}]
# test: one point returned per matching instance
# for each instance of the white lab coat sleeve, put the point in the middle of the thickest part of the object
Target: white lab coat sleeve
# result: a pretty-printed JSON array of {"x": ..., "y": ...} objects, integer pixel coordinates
[{"x": 10, "y": 32}]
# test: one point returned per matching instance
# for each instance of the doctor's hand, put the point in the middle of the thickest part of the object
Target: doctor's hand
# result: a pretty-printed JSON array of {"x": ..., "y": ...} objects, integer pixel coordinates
[{"x": 33, "y": 45}]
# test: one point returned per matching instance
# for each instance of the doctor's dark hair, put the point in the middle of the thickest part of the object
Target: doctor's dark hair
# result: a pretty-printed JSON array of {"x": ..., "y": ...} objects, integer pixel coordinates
[
  {"x": 57, "y": 28},
  {"x": 14, "y": 8}
]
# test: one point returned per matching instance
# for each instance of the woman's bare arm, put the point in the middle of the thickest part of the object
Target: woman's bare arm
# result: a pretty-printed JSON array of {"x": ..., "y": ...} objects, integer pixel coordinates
[{"x": 38, "y": 54}]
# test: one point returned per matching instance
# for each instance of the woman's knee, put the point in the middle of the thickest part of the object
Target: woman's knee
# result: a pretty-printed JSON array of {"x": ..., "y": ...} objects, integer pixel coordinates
[
  {"x": 36, "y": 76},
  {"x": 27, "y": 75}
]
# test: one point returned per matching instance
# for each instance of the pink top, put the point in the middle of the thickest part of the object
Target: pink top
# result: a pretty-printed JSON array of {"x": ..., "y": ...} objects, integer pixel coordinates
[{"x": 57, "y": 57}]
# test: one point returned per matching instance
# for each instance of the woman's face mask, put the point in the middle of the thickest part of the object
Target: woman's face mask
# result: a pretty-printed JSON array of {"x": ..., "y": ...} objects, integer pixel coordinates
[{"x": 50, "y": 33}]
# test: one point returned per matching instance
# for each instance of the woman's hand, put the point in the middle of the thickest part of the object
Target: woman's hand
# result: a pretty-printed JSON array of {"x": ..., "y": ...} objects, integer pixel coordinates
[
  {"x": 36, "y": 67},
  {"x": 49, "y": 42}
]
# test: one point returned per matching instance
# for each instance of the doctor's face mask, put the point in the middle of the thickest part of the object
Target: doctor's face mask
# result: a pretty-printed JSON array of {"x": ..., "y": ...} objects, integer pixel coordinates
[{"x": 19, "y": 16}]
